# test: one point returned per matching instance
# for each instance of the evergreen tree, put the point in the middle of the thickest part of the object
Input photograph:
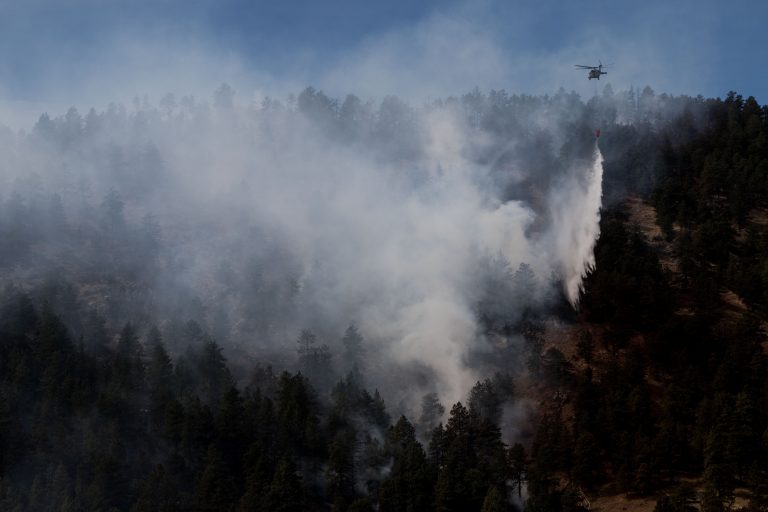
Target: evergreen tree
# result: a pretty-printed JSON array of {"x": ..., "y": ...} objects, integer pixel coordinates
[
  {"x": 431, "y": 411},
  {"x": 215, "y": 489},
  {"x": 408, "y": 487},
  {"x": 494, "y": 501},
  {"x": 297, "y": 420},
  {"x": 353, "y": 347},
  {"x": 214, "y": 376},
  {"x": 286, "y": 493},
  {"x": 484, "y": 401},
  {"x": 258, "y": 470},
  {"x": 517, "y": 466},
  {"x": 157, "y": 493},
  {"x": 341, "y": 469}
]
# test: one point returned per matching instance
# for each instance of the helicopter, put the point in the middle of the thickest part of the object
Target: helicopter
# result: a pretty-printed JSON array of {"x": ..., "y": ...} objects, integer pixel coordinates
[{"x": 594, "y": 71}]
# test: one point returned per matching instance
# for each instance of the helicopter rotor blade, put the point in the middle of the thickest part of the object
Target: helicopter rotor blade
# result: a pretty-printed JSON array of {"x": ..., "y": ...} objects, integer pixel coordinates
[{"x": 584, "y": 67}]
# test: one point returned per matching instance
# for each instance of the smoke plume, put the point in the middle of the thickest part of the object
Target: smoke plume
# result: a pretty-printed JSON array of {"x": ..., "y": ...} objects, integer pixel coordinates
[{"x": 421, "y": 226}]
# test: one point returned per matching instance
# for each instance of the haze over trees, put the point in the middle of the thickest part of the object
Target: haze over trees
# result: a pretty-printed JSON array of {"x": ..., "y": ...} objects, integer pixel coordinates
[{"x": 326, "y": 304}]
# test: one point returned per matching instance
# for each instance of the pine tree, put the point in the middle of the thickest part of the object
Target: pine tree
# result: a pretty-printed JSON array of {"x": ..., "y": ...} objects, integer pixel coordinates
[
  {"x": 341, "y": 469},
  {"x": 587, "y": 469},
  {"x": 719, "y": 473},
  {"x": 258, "y": 469},
  {"x": 484, "y": 401},
  {"x": 232, "y": 432},
  {"x": 517, "y": 466},
  {"x": 353, "y": 347},
  {"x": 159, "y": 377},
  {"x": 494, "y": 501},
  {"x": 297, "y": 420},
  {"x": 157, "y": 493},
  {"x": 431, "y": 411},
  {"x": 128, "y": 367},
  {"x": 286, "y": 493},
  {"x": 215, "y": 490},
  {"x": 408, "y": 487},
  {"x": 213, "y": 373}
]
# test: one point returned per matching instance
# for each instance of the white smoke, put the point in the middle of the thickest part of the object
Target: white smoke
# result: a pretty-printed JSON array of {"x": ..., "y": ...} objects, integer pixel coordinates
[
  {"x": 395, "y": 244},
  {"x": 397, "y": 256},
  {"x": 575, "y": 210}
]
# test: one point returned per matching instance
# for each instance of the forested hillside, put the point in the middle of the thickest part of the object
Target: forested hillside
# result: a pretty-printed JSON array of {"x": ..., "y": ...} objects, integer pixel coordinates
[
  {"x": 186, "y": 324},
  {"x": 671, "y": 396}
]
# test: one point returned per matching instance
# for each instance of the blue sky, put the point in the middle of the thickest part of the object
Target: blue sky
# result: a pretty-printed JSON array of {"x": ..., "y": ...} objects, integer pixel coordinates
[{"x": 60, "y": 52}]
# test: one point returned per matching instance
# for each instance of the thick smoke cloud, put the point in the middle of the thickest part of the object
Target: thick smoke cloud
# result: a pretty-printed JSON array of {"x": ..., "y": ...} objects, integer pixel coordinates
[{"x": 266, "y": 220}]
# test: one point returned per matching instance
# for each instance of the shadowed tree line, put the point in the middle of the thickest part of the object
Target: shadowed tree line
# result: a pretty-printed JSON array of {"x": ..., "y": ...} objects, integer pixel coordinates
[{"x": 128, "y": 428}]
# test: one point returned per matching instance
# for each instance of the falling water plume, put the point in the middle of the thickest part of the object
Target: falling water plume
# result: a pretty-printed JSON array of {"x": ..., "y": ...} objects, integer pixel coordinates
[{"x": 578, "y": 217}]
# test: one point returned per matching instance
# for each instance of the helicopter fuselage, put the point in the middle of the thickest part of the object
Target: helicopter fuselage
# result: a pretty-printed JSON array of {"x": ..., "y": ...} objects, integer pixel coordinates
[{"x": 595, "y": 73}]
